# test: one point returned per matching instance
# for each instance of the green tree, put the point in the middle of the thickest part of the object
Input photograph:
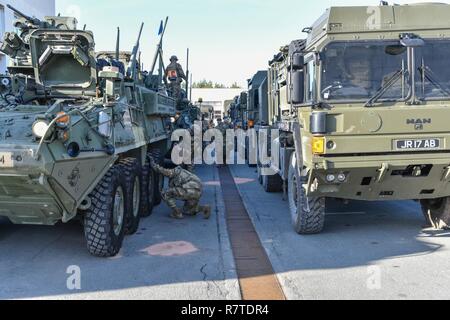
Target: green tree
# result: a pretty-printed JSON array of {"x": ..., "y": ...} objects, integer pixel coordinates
[
  {"x": 208, "y": 84},
  {"x": 203, "y": 84}
]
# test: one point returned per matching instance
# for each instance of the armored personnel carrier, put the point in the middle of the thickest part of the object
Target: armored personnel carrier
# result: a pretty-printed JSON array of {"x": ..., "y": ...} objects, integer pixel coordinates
[
  {"x": 362, "y": 108},
  {"x": 76, "y": 141}
]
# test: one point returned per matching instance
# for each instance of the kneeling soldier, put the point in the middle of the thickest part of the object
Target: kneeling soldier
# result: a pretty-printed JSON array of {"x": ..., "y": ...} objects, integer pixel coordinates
[{"x": 185, "y": 186}]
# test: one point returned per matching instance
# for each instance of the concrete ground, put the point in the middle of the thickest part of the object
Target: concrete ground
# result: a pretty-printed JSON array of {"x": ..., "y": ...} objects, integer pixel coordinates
[
  {"x": 367, "y": 250},
  {"x": 189, "y": 259}
]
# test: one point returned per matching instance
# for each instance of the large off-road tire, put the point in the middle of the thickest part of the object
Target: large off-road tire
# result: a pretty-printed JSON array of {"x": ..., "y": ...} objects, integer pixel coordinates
[
  {"x": 272, "y": 183},
  {"x": 308, "y": 214},
  {"x": 133, "y": 176},
  {"x": 148, "y": 189},
  {"x": 437, "y": 212},
  {"x": 104, "y": 221},
  {"x": 159, "y": 179}
]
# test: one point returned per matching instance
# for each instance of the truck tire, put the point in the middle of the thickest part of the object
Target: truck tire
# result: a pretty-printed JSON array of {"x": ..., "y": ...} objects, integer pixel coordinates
[
  {"x": 159, "y": 179},
  {"x": 272, "y": 183},
  {"x": 104, "y": 221},
  {"x": 148, "y": 190},
  {"x": 132, "y": 175},
  {"x": 437, "y": 212},
  {"x": 308, "y": 214}
]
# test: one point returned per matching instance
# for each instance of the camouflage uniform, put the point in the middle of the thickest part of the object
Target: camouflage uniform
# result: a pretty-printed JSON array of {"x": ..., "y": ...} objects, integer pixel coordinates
[
  {"x": 185, "y": 186},
  {"x": 175, "y": 76}
]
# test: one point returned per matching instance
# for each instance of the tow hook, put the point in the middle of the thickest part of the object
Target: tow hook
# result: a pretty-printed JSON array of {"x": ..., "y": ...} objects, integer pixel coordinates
[
  {"x": 382, "y": 172},
  {"x": 446, "y": 176},
  {"x": 417, "y": 171}
]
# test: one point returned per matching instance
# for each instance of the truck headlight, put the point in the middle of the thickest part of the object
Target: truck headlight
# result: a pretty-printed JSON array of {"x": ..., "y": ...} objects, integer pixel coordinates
[
  {"x": 39, "y": 128},
  {"x": 62, "y": 119}
]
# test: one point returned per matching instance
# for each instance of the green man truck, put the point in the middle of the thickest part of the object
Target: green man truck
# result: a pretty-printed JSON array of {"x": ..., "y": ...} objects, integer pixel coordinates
[{"x": 362, "y": 107}]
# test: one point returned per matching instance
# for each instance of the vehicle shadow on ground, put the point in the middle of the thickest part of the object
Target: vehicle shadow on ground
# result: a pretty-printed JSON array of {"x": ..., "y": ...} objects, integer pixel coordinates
[
  {"x": 153, "y": 263},
  {"x": 357, "y": 234}
]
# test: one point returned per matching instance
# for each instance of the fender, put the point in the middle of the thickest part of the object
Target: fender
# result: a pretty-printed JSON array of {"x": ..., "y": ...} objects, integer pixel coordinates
[{"x": 298, "y": 146}]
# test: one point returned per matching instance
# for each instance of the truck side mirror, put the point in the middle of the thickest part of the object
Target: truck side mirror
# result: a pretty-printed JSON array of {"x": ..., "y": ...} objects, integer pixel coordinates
[
  {"x": 298, "y": 87},
  {"x": 298, "y": 61}
]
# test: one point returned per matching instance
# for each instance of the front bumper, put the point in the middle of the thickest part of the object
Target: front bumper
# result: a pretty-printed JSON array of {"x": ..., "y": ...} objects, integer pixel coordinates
[{"x": 386, "y": 177}]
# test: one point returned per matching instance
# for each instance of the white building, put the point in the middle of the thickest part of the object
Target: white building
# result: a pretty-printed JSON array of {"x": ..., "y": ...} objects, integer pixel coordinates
[
  {"x": 32, "y": 8},
  {"x": 215, "y": 98}
]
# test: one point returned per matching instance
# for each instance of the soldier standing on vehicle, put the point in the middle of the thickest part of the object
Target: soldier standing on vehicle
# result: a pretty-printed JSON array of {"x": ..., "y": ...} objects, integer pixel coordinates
[
  {"x": 175, "y": 76},
  {"x": 184, "y": 186}
]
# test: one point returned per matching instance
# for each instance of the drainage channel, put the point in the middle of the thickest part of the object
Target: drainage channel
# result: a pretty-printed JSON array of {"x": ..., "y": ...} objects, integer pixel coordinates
[{"x": 257, "y": 278}]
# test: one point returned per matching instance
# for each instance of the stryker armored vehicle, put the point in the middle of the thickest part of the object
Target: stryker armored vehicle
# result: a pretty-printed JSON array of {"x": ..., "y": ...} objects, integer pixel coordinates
[
  {"x": 362, "y": 108},
  {"x": 78, "y": 139}
]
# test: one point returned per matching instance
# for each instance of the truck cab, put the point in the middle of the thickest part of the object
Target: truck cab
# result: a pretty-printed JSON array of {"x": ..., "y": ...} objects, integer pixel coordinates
[{"x": 362, "y": 107}]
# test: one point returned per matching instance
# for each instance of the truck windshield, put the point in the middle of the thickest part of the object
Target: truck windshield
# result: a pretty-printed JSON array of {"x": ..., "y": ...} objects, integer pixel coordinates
[
  {"x": 355, "y": 71},
  {"x": 434, "y": 75}
]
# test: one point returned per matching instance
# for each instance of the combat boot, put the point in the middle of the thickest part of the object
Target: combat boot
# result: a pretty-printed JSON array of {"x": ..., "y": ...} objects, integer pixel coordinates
[
  {"x": 177, "y": 214},
  {"x": 206, "y": 212}
]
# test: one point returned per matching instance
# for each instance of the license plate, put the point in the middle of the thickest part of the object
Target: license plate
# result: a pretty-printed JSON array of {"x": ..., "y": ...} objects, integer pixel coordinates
[
  {"x": 418, "y": 144},
  {"x": 6, "y": 160}
]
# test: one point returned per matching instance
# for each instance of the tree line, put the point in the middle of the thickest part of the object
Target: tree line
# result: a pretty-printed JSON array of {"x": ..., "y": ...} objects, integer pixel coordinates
[{"x": 208, "y": 84}]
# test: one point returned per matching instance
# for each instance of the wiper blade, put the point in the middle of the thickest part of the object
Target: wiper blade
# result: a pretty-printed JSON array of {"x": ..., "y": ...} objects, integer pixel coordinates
[
  {"x": 430, "y": 76},
  {"x": 389, "y": 84}
]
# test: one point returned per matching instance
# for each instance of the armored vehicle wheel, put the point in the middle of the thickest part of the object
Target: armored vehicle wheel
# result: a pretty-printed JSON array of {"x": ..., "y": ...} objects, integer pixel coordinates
[
  {"x": 437, "y": 212},
  {"x": 159, "y": 188},
  {"x": 272, "y": 183},
  {"x": 104, "y": 221},
  {"x": 148, "y": 190},
  {"x": 132, "y": 175},
  {"x": 308, "y": 214}
]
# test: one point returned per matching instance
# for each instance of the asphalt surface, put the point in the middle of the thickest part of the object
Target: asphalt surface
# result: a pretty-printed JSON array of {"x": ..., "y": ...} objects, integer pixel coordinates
[
  {"x": 367, "y": 250},
  {"x": 167, "y": 259}
]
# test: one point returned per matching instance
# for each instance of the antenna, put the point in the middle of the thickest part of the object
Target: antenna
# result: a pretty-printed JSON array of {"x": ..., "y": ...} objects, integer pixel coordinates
[
  {"x": 159, "y": 47},
  {"x": 190, "y": 90},
  {"x": 187, "y": 72},
  {"x": 140, "y": 61},
  {"x": 118, "y": 44},
  {"x": 134, "y": 57}
]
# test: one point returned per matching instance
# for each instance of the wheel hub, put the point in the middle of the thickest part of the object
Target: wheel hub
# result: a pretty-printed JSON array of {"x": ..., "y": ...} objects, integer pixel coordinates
[
  {"x": 118, "y": 211},
  {"x": 136, "y": 197}
]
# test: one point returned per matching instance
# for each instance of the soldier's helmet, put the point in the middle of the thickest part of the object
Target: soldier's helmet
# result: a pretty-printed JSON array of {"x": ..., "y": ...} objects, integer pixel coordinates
[{"x": 173, "y": 58}]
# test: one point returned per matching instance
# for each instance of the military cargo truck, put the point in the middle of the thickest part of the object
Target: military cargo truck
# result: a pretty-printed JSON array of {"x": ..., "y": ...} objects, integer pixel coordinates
[
  {"x": 362, "y": 108},
  {"x": 238, "y": 112},
  {"x": 256, "y": 98},
  {"x": 77, "y": 140}
]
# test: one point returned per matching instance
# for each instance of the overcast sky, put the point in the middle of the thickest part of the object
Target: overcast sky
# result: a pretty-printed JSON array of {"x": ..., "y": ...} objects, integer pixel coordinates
[{"x": 229, "y": 40}]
